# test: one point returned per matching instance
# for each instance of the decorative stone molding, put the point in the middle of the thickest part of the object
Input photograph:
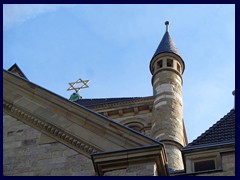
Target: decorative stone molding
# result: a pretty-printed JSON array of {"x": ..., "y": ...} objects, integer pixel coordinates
[
  {"x": 49, "y": 129},
  {"x": 76, "y": 126},
  {"x": 148, "y": 100},
  {"x": 115, "y": 160},
  {"x": 126, "y": 111}
]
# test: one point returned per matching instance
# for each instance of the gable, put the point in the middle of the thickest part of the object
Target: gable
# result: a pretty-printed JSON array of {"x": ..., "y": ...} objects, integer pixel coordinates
[
  {"x": 16, "y": 70},
  {"x": 69, "y": 123}
]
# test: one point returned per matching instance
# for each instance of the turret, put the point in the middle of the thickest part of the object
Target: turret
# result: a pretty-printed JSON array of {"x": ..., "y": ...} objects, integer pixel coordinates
[{"x": 167, "y": 68}]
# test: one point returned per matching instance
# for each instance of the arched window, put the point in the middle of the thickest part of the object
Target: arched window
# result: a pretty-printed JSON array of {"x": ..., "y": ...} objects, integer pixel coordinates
[{"x": 137, "y": 126}]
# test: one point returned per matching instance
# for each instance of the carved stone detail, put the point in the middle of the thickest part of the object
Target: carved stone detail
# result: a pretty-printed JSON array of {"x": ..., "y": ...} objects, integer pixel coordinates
[{"x": 49, "y": 129}]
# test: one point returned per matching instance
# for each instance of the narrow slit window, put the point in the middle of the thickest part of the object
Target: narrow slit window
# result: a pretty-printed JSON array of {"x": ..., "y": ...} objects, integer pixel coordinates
[
  {"x": 159, "y": 64},
  {"x": 169, "y": 63},
  {"x": 178, "y": 67}
]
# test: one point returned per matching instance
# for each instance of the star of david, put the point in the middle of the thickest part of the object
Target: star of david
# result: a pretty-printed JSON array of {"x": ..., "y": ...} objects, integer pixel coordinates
[{"x": 78, "y": 82}]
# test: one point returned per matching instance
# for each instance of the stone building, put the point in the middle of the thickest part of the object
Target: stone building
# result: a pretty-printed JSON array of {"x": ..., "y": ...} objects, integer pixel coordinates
[{"x": 45, "y": 134}]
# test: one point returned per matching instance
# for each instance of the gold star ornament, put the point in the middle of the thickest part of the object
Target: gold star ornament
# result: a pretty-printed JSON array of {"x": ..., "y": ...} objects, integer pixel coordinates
[{"x": 79, "y": 81}]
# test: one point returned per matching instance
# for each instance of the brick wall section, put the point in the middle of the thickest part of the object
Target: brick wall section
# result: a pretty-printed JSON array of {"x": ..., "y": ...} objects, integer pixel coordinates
[{"x": 24, "y": 154}]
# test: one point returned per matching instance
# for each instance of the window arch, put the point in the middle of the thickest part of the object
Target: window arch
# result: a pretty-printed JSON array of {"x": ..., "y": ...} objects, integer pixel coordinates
[{"x": 137, "y": 126}]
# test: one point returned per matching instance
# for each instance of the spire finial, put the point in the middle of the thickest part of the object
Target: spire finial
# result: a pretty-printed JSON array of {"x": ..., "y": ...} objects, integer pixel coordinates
[
  {"x": 167, "y": 24},
  {"x": 233, "y": 93}
]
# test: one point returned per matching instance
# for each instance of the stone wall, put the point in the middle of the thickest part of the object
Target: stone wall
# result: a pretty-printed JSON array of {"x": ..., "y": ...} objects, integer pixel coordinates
[
  {"x": 228, "y": 162},
  {"x": 167, "y": 110},
  {"x": 167, "y": 120},
  {"x": 134, "y": 170},
  {"x": 28, "y": 152},
  {"x": 173, "y": 152},
  {"x": 228, "y": 166},
  {"x": 142, "y": 120}
]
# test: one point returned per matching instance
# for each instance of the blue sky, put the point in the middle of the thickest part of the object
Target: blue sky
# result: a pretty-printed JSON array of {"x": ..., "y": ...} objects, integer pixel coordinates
[{"x": 112, "y": 45}]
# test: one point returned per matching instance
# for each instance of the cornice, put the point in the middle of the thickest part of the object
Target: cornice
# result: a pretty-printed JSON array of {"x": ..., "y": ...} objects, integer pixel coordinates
[
  {"x": 125, "y": 111},
  {"x": 121, "y": 103},
  {"x": 207, "y": 147},
  {"x": 114, "y": 160},
  {"x": 49, "y": 129},
  {"x": 125, "y": 108},
  {"x": 89, "y": 127}
]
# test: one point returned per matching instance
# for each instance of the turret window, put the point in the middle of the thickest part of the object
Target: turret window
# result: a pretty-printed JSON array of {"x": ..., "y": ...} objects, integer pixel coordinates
[
  {"x": 169, "y": 63},
  {"x": 159, "y": 64},
  {"x": 178, "y": 67}
]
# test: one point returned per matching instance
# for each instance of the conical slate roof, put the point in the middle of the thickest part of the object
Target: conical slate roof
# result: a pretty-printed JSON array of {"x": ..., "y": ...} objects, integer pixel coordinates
[{"x": 167, "y": 45}]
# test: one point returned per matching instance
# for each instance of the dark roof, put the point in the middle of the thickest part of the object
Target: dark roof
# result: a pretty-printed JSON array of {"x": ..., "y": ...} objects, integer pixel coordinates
[
  {"x": 221, "y": 132},
  {"x": 167, "y": 45},
  {"x": 15, "y": 69},
  {"x": 100, "y": 101}
]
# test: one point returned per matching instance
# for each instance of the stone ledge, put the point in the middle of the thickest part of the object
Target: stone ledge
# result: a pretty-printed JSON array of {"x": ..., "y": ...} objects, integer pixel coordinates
[{"x": 116, "y": 160}]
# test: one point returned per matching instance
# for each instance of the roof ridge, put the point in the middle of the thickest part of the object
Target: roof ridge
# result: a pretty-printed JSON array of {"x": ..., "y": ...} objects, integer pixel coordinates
[
  {"x": 113, "y": 98},
  {"x": 102, "y": 101}
]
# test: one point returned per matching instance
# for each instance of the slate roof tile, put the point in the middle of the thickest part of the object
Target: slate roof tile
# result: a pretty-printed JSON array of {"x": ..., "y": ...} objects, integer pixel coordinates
[
  {"x": 221, "y": 132},
  {"x": 167, "y": 45}
]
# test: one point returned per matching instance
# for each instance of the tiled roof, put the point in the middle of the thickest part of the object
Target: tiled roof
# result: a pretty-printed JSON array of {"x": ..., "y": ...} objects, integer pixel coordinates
[
  {"x": 221, "y": 132},
  {"x": 100, "y": 101},
  {"x": 167, "y": 45}
]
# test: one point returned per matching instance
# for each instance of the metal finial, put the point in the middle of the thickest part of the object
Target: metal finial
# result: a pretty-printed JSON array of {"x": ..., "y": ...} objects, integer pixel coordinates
[
  {"x": 233, "y": 93},
  {"x": 167, "y": 24}
]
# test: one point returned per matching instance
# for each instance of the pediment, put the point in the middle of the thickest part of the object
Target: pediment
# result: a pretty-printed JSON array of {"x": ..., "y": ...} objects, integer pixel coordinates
[{"x": 69, "y": 123}]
